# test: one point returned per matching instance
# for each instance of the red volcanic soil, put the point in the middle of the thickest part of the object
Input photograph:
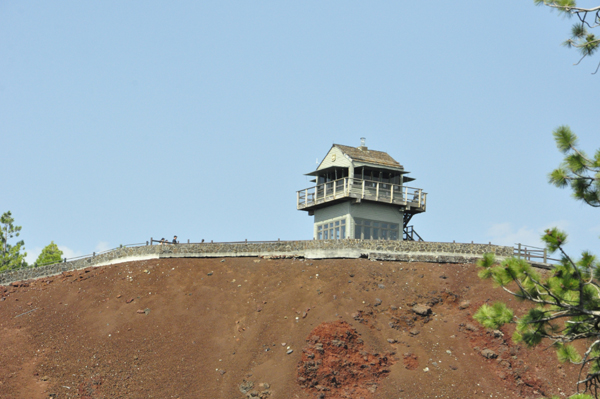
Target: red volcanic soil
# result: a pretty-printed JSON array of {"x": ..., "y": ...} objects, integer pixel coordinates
[{"x": 265, "y": 328}]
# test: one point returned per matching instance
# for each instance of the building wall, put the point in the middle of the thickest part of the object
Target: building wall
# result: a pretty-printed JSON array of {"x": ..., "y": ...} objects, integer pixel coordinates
[
  {"x": 340, "y": 159},
  {"x": 365, "y": 210},
  {"x": 329, "y": 213},
  {"x": 375, "y": 211}
]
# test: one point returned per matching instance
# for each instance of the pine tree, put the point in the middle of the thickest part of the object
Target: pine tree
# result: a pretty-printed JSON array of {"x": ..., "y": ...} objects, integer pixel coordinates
[
  {"x": 50, "y": 255},
  {"x": 581, "y": 39},
  {"x": 10, "y": 255},
  {"x": 566, "y": 299}
]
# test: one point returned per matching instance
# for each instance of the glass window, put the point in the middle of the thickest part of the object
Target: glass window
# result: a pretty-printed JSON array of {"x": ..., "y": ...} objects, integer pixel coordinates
[
  {"x": 343, "y": 231},
  {"x": 367, "y": 233},
  {"x": 375, "y": 230},
  {"x": 343, "y": 222},
  {"x": 319, "y": 235},
  {"x": 337, "y": 233},
  {"x": 337, "y": 223},
  {"x": 325, "y": 234}
]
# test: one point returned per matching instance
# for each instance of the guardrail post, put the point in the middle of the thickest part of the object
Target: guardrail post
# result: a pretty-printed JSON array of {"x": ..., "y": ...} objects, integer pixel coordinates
[
  {"x": 420, "y": 191},
  {"x": 377, "y": 192},
  {"x": 150, "y": 240},
  {"x": 363, "y": 189},
  {"x": 246, "y": 241},
  {"x": 519, "y": 253},
  {"x": 188, "y": 240},
  {"x": 392, "y": 194},
  {"x": 146, "y": 242},
  {"x": 334, "y": 188},
  {"x": 297, "y": 198},
  {"x": 545, "y": 255}
]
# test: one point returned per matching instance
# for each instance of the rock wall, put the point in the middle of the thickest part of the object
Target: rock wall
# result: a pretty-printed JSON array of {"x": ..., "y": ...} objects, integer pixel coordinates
[{"x": 403, "y": 251}]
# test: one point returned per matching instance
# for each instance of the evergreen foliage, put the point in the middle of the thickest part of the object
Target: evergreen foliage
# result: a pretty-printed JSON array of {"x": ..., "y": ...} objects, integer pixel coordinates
[
  {"x": 581, "y": 39},
  {"x": 566, "y": 299},
  {"x": 10, "y": 255},
  {"x": 578, "y": 171},
  {"x": 49, "y": 255}
]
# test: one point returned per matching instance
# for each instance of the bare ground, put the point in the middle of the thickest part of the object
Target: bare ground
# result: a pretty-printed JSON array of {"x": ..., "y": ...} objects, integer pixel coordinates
[{"x": 265, "y": 328}]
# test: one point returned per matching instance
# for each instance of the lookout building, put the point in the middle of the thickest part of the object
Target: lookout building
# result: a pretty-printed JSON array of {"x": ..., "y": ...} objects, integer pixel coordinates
[{"x": 360, "y": 193}]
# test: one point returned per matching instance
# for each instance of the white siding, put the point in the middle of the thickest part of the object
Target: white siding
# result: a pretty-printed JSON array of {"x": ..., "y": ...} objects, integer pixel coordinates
[
  {"x": 374, "y": 211},
  {"x": 363, "y": 210},
  {"x": 340, "y": 159},
  {"x": 332, "y": 212}
]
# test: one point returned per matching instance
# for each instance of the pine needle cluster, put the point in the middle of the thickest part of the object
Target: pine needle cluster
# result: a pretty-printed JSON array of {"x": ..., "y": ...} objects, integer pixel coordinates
[{"x": 566, "y": 306}]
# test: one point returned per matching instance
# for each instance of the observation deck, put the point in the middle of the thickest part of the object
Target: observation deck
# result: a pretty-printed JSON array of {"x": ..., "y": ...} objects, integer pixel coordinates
[{"x": 413, "y": 200}]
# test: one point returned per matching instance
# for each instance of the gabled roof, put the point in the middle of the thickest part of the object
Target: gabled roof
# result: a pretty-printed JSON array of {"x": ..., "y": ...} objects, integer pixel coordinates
[{"x": 362, "y": 154}]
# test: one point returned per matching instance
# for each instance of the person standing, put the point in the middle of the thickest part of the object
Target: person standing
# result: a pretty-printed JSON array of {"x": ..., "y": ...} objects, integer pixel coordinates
[{"x": 175, "y": 240}]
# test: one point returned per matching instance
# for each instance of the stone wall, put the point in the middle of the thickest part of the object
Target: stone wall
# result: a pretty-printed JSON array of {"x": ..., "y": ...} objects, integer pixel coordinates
[{"x": 403, "y": 251}]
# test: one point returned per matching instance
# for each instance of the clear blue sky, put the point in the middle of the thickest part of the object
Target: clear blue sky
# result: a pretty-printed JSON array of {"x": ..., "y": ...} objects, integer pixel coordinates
[{"x": 121, "y": 121}]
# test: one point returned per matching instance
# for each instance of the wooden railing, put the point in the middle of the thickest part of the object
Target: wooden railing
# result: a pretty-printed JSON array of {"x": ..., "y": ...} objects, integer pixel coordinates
[
  {"x": 530, "y": 253},
  {"x": 363, "y": 189}
]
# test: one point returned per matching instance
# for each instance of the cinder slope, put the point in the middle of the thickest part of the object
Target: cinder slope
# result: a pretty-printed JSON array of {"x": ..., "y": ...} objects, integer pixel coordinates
[{"x": 201, "y": 328}]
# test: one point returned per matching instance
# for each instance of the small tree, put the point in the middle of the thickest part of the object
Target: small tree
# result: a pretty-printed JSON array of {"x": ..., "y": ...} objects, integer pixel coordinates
[
  {"x": 11, "y": 256},
  {"x": 587, "y": 43},
  {"x": 50, "y": 255}
]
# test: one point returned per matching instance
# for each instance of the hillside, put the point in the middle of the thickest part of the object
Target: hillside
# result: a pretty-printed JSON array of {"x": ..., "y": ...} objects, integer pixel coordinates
[{"x": 249, "y": 327}]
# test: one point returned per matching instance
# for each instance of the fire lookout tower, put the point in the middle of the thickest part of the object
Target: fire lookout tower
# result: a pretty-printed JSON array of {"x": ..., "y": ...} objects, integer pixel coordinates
[{"x": 360, "y": 193}]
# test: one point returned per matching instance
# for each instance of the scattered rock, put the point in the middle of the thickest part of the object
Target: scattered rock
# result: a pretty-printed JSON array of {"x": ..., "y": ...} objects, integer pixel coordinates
[
  {"x": 421, "y": 310},
  {"x": 211, "y": 273},
  {"x": 489, "y": 354},
  {"x": 246, "y": 386},
  {"x": 129, "y": 300},
  {"x": 414, "y": 332},
  {"x": 377, "y": 302},
  {"x": 391, "y": 340},
  {"x": 464, "y": 305}
]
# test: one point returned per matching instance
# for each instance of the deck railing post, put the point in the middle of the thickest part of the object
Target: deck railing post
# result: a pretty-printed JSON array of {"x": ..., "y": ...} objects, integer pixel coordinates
[
  {"x": 545, "y": 255},
  {"x": 392, "y": 194},
  {"x": 420, "y": 191},
  {"x": 519, "y": 253},
  {"x": 334, "y": 187},
  {"x": 405, "y": 194},
  {"x": 377, "y": 192},
  {"x": 363, "y": 189}
]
